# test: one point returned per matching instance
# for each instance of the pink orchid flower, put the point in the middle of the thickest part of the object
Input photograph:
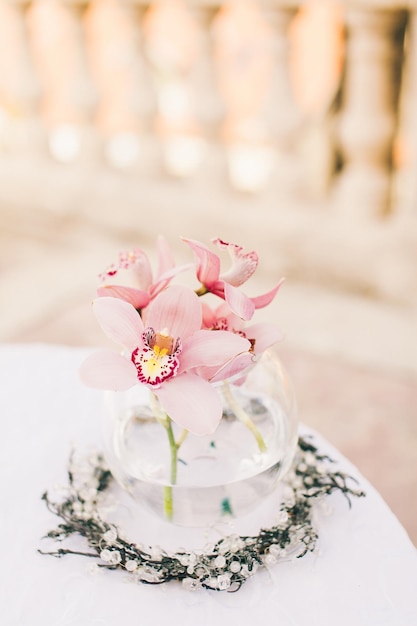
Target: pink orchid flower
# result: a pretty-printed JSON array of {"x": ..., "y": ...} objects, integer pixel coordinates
[
  {"x": 225, "y": 285},
  {"x": 164, "y": 355},
  {"x": 136, "y": 268},
  {"x": 261, "y": 336}
]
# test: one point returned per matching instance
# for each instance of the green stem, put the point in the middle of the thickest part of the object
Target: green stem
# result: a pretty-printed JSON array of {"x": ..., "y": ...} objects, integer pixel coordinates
[
  {"x": 182, "y": 438},
  {"x": 168, "y": 503},
  {"x": 159, "y": 415},
  {"x": 243, "y": 416},
  {"x": 174, "y": 446}
]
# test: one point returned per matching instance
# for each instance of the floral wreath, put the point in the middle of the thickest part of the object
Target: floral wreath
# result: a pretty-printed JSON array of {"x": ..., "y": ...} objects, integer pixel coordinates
[{"x": 223, "y": 567}]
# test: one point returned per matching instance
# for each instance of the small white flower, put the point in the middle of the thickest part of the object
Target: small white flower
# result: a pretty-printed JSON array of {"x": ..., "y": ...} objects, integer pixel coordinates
[
  {"x": 310, "y": 458},
  {"x": 235, "y": 566},
  {"x": 219, "y": 562},
  {"x": 274, "y": 549},
  {"x": 190, "y": 584},
  {"x": 115, "y": 557},
  {"x": 105, "y": 555},
  {"x": 224, "y": 546},
  {"x": 156, "y": 553},
  {"x": 223, "y": 581},
  {"x": 131, "y": 565}
]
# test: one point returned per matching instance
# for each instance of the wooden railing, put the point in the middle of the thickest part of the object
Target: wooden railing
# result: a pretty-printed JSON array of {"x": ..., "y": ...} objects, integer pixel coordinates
[{"x": 187, "y": 114}]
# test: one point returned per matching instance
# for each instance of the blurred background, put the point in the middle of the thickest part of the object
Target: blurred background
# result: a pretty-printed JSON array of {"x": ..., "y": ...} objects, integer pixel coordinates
[{"x": 287, "y": 127}]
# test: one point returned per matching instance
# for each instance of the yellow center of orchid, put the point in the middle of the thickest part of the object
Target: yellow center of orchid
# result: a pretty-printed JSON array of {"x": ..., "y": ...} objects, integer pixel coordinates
[
  {"x": 163, "y": 341},
  {"x": 158, "y": 359},
  {"x": 155, "y": 362}
]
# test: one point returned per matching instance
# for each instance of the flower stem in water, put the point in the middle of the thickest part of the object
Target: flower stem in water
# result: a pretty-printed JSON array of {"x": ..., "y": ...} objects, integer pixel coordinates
[
  {"x": 168, "y": 504},
  {"x": 182, "y": 438},
  {"x": 174, "y": 447},
  {"x": 166, "y": 422},
  {"x": 243, "y": 416}
]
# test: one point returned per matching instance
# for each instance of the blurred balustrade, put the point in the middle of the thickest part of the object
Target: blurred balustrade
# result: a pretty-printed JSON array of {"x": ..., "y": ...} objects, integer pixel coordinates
[{"x": 174, "y": 116}]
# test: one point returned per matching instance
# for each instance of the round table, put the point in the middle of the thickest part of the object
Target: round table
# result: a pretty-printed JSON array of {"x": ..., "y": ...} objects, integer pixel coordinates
[{"x": 363, "y": 572}]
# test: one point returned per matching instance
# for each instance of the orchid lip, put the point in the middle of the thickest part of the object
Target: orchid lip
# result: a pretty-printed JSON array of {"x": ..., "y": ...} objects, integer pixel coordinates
[{"x": 157, "y": 360}]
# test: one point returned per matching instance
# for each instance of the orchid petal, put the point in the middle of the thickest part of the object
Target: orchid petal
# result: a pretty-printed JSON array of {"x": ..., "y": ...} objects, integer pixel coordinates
[
  {"x": 176, "y": 309},
  {"x": 265, "y": 299},
  {"x": 233, "y": 367},
  {"x": 165, "y": 278},
  {"x": 211, "y": 347},
  {"x": 234, "y": 322},
  {"x": 209, "y": 316},
  {"x": 208, "y": 268},
  {"x": 108, "y": 370},
  {"x": 192, "y": 403},
  {"x": 239, "y": 303},
  {"x": 137, "y": 298},
  {"x": 264, "y": 335},
  {"x": 166, "y": 260},
  {"x": 243, "y": 264},
  {"x": 141, "y": 269},
  {"x": 119, "y": 320},
  {"x": 222, "y": 312}
]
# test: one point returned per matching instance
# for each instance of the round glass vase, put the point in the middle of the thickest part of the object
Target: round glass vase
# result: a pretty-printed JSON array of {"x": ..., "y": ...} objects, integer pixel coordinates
[{"x": 195, "y": 480}]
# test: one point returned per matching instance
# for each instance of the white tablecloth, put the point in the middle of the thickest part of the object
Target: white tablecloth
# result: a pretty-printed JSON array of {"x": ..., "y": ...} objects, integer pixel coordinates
[{"x": 364, "y": 572}]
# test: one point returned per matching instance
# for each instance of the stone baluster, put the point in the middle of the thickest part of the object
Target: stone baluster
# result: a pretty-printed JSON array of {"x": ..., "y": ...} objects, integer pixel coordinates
[
  {"x": 143, "y": 94},
  {"x": 168, "y": 41},
  {"x": 207, "y": 103},
  {"x": 406, "y": 183},
  {"x": 77, "y": 139},
  {"x": 368, "y": 116},
  {"x": 23, "y": 89},
  {"x": 317, "y": 36},
  {"x": 130, "y": 142},
  {"x": 280, "y": 111},
  {"x": 243, "y": 55}
]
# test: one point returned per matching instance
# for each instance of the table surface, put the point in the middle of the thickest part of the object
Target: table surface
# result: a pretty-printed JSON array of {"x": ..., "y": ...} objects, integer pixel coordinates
[{"x": 364, "y": 571}]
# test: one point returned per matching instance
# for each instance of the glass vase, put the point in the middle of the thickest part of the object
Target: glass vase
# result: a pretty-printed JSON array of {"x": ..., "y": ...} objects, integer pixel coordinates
[{"x": 226, "y": 473}]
